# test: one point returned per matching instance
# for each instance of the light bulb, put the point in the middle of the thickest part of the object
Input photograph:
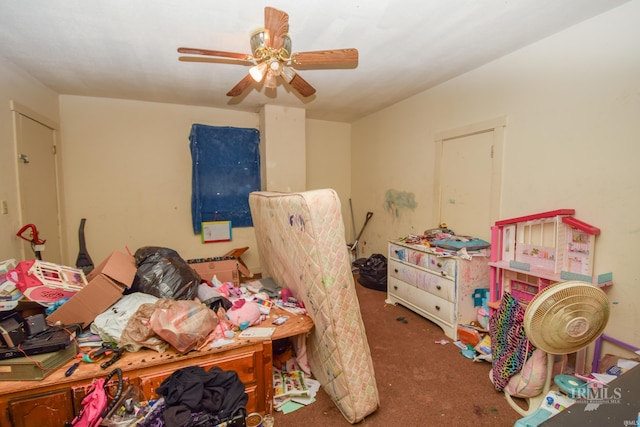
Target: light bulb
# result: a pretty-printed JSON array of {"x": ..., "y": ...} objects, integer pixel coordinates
[
  {"x": 274, "y": 67},
  {"x": 257, "y": 72}
]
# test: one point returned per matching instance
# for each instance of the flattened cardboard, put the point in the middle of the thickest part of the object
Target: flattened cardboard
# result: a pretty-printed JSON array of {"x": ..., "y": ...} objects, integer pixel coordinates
[
  {"x": 118, "y": 266},
  {"x": 107, "y": 282}
]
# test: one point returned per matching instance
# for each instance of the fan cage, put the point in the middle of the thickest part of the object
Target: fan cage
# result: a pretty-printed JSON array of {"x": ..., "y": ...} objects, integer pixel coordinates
[{"x": 566, "y": 317}]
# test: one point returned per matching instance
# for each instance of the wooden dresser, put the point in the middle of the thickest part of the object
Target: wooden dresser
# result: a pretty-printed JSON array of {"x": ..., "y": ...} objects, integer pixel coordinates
[{"x": 56, "y": 399}]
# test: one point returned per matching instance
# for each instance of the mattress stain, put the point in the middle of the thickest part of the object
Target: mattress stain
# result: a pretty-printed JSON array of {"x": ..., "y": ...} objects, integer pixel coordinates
[
  {"x": 297, "y": 220},
  {"x": 328, "y": 281},
  {"x": 396, "y": 200}
]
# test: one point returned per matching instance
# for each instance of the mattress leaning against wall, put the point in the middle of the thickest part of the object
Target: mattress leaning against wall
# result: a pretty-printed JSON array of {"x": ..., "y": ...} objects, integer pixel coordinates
[{"x": 301, "y": 243}]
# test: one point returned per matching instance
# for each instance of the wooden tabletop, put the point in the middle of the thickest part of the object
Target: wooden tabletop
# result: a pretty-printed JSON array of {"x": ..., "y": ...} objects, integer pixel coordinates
[{"x": 295, "y": 325}]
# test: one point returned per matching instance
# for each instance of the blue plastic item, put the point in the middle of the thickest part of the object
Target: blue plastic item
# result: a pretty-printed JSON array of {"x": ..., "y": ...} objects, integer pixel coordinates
[{"x": 535, "y": 419}]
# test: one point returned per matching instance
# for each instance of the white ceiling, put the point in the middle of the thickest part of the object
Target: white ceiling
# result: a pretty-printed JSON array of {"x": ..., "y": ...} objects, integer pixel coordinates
[{"x": 127, "y": 48}]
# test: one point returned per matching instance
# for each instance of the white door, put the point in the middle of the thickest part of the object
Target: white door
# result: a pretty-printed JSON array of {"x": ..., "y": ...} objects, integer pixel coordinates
[
  {"x": 468, "y": 179},
  {"x": 38, "y": 185}
]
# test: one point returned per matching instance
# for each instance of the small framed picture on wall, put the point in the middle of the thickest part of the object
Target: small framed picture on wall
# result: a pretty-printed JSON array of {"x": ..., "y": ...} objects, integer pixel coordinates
[{"x": 216, "y": 231}]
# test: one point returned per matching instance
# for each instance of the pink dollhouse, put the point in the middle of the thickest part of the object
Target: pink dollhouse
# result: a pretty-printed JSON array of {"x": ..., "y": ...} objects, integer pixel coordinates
[{"x": 531, "y": 252}]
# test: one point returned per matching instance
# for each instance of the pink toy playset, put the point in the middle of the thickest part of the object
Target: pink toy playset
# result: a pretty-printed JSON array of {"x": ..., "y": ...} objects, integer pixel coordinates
[{"x": 531, "y": 252}]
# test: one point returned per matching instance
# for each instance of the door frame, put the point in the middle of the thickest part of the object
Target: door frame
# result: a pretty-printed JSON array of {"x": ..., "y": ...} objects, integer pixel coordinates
[
  {"x": 21, "y": 110},
  {"x": 496, "y": 125}
]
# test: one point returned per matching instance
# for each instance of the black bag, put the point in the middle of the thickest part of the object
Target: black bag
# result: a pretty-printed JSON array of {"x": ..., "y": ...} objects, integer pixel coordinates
[
  {"x": 164, "y": 274},
  {"x": 373, "y": 272}
]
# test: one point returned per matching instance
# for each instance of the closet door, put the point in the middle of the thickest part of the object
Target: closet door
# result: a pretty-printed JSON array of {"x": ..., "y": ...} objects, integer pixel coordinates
[
  {"x": 468, "y": 173},
  {"x": 38, "y": 182}
]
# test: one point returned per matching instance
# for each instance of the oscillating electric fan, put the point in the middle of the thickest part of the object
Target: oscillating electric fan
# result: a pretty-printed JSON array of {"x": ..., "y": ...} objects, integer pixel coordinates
[{"x": 561, "y": 319}]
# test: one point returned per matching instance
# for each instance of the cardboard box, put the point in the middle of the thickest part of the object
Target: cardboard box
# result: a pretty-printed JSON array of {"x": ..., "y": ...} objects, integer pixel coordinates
[
  {"x": 226, "y": 268},
  {"x": 106, "y": 284},
  {"x": 223, "y": 270}
]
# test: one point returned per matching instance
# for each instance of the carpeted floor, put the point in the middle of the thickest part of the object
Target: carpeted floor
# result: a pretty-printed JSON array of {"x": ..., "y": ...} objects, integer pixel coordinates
[{"x": 420, "y": 382}]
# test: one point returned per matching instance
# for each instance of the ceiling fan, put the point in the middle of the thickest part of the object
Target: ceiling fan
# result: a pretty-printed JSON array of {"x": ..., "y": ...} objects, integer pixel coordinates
[{"x": 271, "y": 57}]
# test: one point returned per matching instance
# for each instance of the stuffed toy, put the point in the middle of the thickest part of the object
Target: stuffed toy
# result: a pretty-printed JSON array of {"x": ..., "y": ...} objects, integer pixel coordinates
[{"x": 244, "y": 313}]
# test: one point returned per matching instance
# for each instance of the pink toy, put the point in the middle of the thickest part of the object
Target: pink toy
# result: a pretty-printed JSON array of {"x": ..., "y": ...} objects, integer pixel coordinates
[
  {"x": 285, "y": 294},
  {"x": 244, "y": 312}
]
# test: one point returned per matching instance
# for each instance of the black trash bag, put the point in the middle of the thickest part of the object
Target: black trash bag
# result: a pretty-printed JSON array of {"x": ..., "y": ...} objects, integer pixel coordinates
[
  {"x": 164, "y": 274},
  {"x": 373, "y": 272}
]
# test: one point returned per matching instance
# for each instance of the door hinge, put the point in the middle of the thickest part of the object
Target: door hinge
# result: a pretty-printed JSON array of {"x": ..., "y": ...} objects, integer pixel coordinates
[
  {"x": 492, "y": 151},
  {"x": 55, "y": 151}
]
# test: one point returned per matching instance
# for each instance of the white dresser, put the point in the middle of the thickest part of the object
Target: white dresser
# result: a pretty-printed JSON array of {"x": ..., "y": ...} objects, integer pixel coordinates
[{"x": 440, "y": 288}]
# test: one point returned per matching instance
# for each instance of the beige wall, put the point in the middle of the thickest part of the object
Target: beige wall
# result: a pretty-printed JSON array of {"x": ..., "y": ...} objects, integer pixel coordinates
[
  {"x": 21, "y": 88},
  {"x": 127, "y": 169},
  {"x": 328, "y": 163},
  {"x": 572, "y": 104},
  {"x": 283, "y": 148}
]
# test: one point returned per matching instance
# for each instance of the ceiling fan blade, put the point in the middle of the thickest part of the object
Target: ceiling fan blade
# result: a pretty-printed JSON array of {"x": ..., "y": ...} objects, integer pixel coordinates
[
  {"x": 215, "y": 60},
  {"x": 302, "y": 86},
  {"x": 220, "y": 53},
  {"x": 342, "y": 58},
  {"x": 241, "y": 86},
  {"x": 276, "y": 26}
]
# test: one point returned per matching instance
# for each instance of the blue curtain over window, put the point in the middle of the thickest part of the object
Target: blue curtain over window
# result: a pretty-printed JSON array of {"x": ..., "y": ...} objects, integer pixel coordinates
[{"x": 226, "y": 168}]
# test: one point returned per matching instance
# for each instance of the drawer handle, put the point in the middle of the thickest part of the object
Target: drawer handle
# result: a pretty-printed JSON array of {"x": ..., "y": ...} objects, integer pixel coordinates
[
  {"x": 443, "y": 274},
  {"x": 438, "y": 307},
  {"x": 439, "y": 265},
  {"x": 395, "y": 269},
  {"x": 438, "y": 287},
  {"x": 395, "y": 287}
]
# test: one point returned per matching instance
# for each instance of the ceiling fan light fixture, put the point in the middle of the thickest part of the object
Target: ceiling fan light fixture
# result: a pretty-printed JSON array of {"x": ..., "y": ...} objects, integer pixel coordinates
[
  {"x": 257, "y": 41},
  {"x": 271, "y": 56},
  {"x": 260, "y": 50},
  {"x": 270, "y": 80},
  {"x": 258, "y": 71},
  {"x": 275, "y": 67},
  {"x": 287, "y": 73}
]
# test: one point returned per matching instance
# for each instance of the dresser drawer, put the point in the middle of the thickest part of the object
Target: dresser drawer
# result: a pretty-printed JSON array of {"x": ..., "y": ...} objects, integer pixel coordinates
[
  {"x": 440, "y": 286},
  {"x": 243, "y": 364},
  {"x": 398, "y": 288},
  {"x": 424, "y": 302},
  {"x": 403, "y": 272},
  {"x": 436, "y": 306},
  {"x": 442, "y": 265}
]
